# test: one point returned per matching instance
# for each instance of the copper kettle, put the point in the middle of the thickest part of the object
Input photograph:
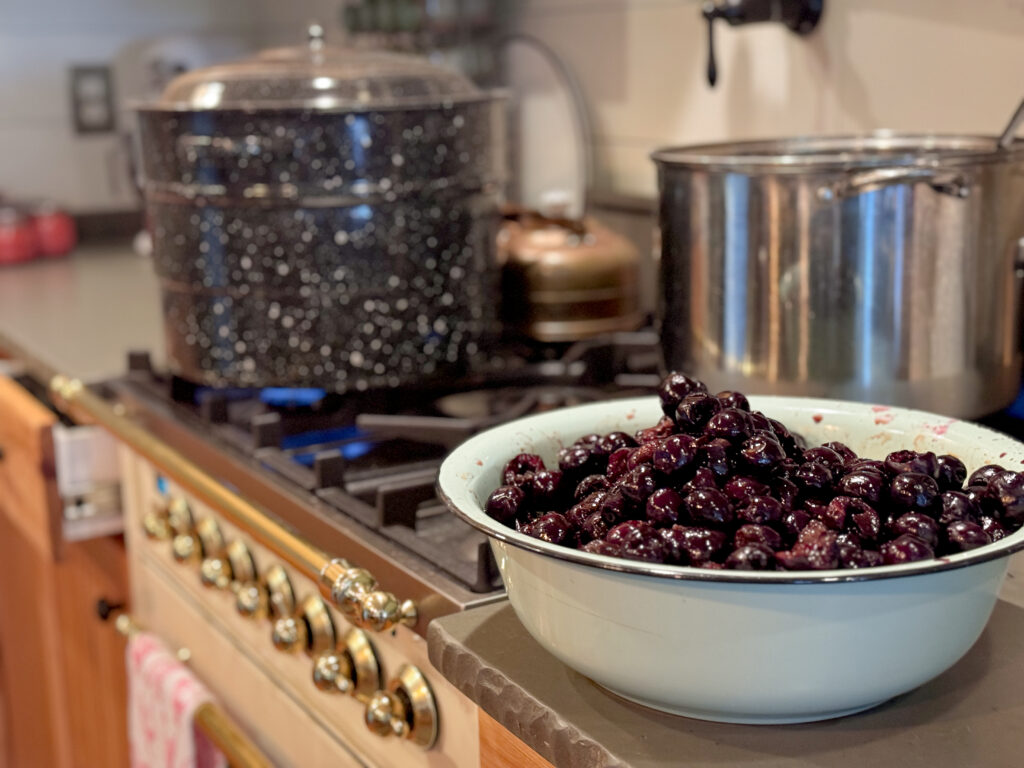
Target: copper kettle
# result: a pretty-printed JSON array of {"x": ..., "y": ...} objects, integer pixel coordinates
[{"x": 566, "y": 279}]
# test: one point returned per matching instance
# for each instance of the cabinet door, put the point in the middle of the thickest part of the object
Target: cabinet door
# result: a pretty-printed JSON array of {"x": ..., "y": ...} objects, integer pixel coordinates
[
  {"x": 37, "y": 732},
  {"x": 94, "y": 686},
  {"x": 62, "y": 679},
  {"x": 29, "y": 630}
]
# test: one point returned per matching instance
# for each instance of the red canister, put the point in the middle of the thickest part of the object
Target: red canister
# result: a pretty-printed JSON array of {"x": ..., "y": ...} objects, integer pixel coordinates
[
  {"x": 17, "y": 236},
  {"x": 55, "y": 231}
]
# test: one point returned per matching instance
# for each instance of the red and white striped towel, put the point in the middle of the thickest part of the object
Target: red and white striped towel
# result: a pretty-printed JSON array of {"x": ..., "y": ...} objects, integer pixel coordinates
[{"x": 163, "y": 696}]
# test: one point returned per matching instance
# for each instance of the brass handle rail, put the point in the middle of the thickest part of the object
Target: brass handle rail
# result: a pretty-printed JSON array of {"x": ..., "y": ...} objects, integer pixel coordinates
[
  {"x": 211, "y": 719},
  {"x": 354, "y": 591}
]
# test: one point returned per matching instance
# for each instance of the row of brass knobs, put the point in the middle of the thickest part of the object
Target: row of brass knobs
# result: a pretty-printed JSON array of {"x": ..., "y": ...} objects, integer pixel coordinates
[{"x": 346, "y": 665}]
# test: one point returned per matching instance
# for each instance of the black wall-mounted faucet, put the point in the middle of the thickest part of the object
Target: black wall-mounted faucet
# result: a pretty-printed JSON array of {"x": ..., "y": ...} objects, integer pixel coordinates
[{"x": 801, "y": 16}]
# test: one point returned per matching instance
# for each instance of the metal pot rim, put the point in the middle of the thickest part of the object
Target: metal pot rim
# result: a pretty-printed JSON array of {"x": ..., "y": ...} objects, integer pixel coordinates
[
  {"x": 831, "y": 153},
  {"x": 324, "y": 105}
]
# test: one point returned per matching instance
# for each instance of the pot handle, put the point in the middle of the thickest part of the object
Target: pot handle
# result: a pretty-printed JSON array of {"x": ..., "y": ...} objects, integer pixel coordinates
[{"x": 858, "y": 183}]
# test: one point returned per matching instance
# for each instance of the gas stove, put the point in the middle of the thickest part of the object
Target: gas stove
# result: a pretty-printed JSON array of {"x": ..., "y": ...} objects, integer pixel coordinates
[{"x": 355, "y": 473}]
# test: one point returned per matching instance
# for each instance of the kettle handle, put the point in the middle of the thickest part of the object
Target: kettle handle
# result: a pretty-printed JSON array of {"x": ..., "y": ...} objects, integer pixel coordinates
[{"x": 853, "y": 184}]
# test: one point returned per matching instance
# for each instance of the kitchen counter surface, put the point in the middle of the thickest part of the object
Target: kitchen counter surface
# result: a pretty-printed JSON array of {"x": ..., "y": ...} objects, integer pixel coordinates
[
  {"x": 82, "y": 314},
  {"x": 970, "y": 715}
]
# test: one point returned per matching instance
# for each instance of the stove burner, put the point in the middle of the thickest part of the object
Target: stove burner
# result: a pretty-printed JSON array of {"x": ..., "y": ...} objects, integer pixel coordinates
[
  {"x": 373, "y": 456},
  {"x": 285, "y": 397}
]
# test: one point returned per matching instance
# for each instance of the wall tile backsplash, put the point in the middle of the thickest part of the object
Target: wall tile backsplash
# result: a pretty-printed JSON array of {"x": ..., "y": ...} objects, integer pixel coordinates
[
  {"x": 945, "y": 65},
  {"x": 918, "y": 65},
  {"x": 41, "y": 156}
]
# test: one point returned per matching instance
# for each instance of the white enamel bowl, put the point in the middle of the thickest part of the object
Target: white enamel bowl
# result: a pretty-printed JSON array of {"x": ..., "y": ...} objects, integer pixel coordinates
[{"x": 744, "y": 647}]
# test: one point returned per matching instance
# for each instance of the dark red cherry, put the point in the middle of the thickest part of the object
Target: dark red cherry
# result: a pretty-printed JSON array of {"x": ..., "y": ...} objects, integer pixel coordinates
[
  {"x": 898, "y": 462},
  {"x": 741, "y": 488},
  {"x": 708, "y": 506},
  {"x": 862, "y": 484},
  {"x": 618, "y": 462},
  {"x": 814, "y": 479},
  {"x": 716, "y": 455},
  {"x": 826, "y": 456},
  {"x": 519, "y": 466},
  {"x": 730, "y": 424},
  {"x": 551, "y": 527},
  {"x": 505, "y": 504},
  {"x": 950, "y": 473},
  {"x": 590, "y": 484},
  {"x": 757, "y": 534},
  {"x": 751, "y": 557},
  {"x": 702, "y": 478},
  {"x": 546, "y": 489},
  {"x": 995, "y": 529},
  {"x": 674, "y": 454},
  {"x": 674, "y": 388},
  {"x": 1005, "y": 491},
  {"x": 686, "y": 545},
  {"x": 761, "y": 510},
  {"x": 637, "y": 484},
  {"x": 842, "y": 449},
  {"x": 919, "y": 525},
  {"x": 958, "y": 506},
  {"x": 637, "y": 540},
  {"x": 905, "y": 549},
  {"x": 962, "y": 535},
  {"x": 593, "y": 527},
  {"x": 982, "y": 475},
  {"x": 737, "y": 400},
  {"x": 601, "y": 547},
  {"x": 659, "y": 431},
  {"x": 663, "y": 507},
  {"x": 761, "y": 453},
  {"x": 695, "y": 410},
  {"x": 913, "y": 492}
]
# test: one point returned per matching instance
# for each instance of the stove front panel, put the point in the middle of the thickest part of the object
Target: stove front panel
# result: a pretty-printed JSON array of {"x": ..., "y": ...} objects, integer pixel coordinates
[{"x": 271, "y": 692}]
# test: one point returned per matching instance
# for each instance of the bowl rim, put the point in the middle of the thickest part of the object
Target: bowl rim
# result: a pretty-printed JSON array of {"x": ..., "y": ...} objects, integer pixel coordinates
[{"x": 461, "y": 456}]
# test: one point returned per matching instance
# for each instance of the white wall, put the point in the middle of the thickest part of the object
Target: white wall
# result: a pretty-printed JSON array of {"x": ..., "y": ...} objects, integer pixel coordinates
[
  {"x": 947, "y": 65},
  {"x": 40, "y": 155}
]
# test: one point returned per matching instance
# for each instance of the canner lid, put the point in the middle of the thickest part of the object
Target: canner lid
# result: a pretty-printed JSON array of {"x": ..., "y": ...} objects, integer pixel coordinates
[{"x": 319, "y": 77}]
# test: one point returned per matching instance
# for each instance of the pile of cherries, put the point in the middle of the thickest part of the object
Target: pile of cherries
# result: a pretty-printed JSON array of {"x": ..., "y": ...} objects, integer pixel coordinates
[{"x": 715, "y": 485}]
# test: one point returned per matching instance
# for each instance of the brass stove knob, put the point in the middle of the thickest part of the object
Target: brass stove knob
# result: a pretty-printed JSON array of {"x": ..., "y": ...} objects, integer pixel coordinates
[
  {"x": 271, "y": 596},
  {"x": 155, "y": 526},
  {"x": 185, "y": 548},
  {"x": 155, "y": 523},
  {"x": 407, "y": 709},
  {"x": 251, "y": 600},
  {"x": 290, "y": 634},
  {"x": 179, "y": 516},
  {"x": 351, "y": 668},
  {"x": 235, "y": 567},
  {"x": 205, "y": 542},
  {"x": 312, "y": 629},
  {"x": 215, "y": 572},
  {"x": 333, "y": 673}
]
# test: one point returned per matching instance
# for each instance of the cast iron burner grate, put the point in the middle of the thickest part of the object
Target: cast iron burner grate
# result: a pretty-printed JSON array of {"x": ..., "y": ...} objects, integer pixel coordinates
[{"x": 373, "y": 456}]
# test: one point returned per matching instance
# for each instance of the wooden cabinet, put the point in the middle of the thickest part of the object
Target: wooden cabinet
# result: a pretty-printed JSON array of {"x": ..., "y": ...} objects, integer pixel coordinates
[
  {"x": 500, "y": 749},
  {"x": 62, "y": 682}
]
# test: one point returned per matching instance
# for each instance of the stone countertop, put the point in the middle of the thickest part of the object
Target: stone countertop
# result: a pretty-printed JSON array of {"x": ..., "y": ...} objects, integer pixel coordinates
[
  {"x": 969, "y": 716},
  {"x": 82, "y": 314}
]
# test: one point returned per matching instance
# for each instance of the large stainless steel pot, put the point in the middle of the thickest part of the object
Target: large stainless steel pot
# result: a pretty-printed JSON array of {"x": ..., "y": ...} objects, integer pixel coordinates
[
  {"x": 324, "y": 217},
  {"x": 880, "y": 268}
]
